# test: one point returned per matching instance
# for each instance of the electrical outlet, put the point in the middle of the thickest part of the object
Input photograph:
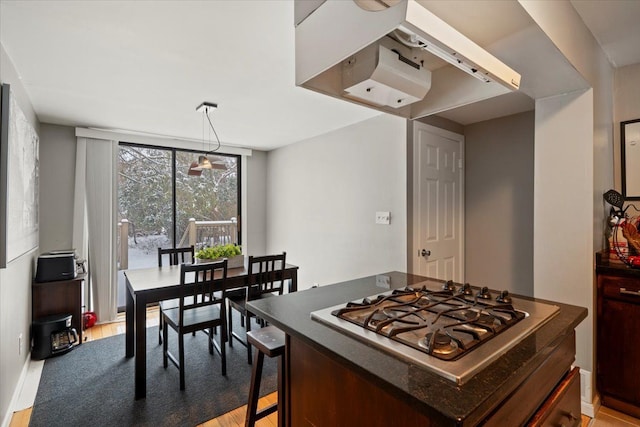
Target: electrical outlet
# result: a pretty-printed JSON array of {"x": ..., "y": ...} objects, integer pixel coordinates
[
  {"x": 383, "y": 217},
  {"x": 20, "y": 345}
]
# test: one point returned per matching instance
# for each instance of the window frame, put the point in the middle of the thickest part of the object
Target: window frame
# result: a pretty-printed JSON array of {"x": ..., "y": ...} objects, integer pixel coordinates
[{"x": 173, "y": 151}]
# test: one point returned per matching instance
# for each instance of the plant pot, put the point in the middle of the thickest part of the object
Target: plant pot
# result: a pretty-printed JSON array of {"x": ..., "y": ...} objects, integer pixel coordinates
[{"x": 233, "y": 262}]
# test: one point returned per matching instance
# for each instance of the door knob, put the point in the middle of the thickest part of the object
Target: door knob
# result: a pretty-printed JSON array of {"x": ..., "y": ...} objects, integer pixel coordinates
[{"x": 425, "y": 252}]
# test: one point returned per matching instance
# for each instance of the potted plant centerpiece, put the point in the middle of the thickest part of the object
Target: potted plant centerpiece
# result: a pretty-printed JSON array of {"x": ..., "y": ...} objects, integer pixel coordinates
[{"x": 232, "y": 252}]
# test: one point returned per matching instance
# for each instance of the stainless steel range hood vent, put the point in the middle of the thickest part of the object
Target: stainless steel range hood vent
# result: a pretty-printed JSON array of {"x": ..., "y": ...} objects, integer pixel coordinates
[
  {"x": 394, "y": 56},
  {"x": 380, "y": 74}
]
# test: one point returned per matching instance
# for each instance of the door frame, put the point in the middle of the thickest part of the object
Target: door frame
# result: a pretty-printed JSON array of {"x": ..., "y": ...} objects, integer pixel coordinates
[{"x": 412, "y": 128}]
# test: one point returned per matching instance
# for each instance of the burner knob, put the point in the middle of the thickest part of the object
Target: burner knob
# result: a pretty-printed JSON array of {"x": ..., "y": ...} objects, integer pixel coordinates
[
  {"x": 484, "y": 293},
  {"x": 504, "y": 297},
  {"x": 449, "y": 286},
  {"x": 466, "y": 289}
]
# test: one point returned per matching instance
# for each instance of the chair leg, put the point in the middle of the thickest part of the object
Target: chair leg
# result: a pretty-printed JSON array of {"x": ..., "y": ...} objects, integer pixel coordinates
[
  {"x": 181, "y": 356},
  {"x": 160, "y": 324},
  {"x": 254, "y": 391},
  {"x": 164, "y": 347},
  {"x": 210, "y": 335},
  {"x": 223, "y": 353},
  {"x": 230, "y": 328},
  {"x": 247, "y": 330}
]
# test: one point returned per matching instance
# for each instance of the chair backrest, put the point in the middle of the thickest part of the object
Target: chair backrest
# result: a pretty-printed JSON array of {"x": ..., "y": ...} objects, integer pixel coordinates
[
  {"x": 266, "y": 273},
  {"x": 177, "y": 255},
  {"x": 205, "y": 280}
]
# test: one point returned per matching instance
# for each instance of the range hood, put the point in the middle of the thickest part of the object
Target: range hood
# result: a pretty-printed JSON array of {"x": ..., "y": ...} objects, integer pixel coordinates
[{"x": 393, "y": 55}]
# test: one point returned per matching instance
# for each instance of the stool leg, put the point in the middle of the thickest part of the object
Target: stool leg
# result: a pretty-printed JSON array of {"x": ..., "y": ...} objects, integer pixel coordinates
[
  {"x": 254, "y": 391},
  {"x": 281, "y": 392}
]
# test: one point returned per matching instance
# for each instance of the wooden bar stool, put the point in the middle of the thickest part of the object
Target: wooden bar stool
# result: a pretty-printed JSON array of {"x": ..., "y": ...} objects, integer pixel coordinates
[{"x": 268, "y": 341}]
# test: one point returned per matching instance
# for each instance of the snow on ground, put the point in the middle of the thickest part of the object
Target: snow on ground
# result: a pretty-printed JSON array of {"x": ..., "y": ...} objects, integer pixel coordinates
[{"x": 143, "y": 253}]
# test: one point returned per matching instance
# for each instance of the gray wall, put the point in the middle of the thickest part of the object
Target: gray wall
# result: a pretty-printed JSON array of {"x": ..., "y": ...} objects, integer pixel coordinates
[
  {"x": 57, "y": 182},
  {"x": 499, "y": 172},
  {"x": 15, "y": 280},
  {"x": 626, "y": 107},
  {"x": 442, "y": 123},
  {"x": 323, "y": 194},
  {"x": 255, "y": 191}
]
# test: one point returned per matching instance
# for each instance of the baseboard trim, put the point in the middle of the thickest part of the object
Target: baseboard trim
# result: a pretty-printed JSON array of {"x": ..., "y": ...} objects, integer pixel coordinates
[
  {"x": 30, "y": 385},
  {"x": 590, "y": 409},
  {"x": 16, "y": 393}
]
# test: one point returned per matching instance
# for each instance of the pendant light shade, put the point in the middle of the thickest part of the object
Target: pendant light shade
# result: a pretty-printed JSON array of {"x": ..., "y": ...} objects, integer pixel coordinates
[
  {"x": 218, "y": 163},
  {"x": 204, "y": 163},
  {"x": 196, "y": 168}
]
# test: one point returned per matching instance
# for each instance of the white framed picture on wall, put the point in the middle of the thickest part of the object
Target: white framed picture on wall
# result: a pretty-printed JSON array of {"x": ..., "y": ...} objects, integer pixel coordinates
[{"x": 19, "y": 181}]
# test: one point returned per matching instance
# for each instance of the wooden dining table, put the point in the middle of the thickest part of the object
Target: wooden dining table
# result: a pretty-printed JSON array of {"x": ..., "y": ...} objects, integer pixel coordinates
[{"x": 151, "y": 285}]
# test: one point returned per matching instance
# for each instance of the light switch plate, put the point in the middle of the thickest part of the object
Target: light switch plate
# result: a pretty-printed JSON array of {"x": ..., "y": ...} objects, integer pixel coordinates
[{"x": 383, "y": 217}]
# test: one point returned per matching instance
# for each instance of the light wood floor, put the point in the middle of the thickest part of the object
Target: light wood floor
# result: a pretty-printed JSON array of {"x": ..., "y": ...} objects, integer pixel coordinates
[{"x": 230, "y": 419}]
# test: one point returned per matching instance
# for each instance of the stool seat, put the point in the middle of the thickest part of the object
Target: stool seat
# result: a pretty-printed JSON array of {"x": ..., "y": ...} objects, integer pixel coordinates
[{"x": 270, "y": 342}]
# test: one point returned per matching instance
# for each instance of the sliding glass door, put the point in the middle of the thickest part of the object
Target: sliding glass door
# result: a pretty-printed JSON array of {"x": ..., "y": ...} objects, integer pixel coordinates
[
  {"x": 161, "y": 205},
  {"x": 209, "y": 202}
]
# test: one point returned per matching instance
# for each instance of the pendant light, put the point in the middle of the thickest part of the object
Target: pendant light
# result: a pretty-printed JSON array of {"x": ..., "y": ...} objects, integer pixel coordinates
[{"x": 204, "y": 162}]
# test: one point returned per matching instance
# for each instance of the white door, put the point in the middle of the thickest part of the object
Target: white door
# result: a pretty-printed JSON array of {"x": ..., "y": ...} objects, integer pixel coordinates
[{"x": 438, "y": 204}]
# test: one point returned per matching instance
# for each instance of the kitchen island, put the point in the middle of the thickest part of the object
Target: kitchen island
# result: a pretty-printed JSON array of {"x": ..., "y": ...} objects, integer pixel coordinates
[{"x": 335, "y": 379}]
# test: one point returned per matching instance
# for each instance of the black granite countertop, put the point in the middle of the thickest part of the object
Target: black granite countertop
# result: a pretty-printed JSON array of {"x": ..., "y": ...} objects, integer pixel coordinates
[{"x": 471, "y": 402}]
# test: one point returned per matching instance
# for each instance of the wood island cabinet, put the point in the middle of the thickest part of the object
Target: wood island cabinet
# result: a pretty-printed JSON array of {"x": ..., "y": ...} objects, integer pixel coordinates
[
  {"x": 549, "y": 397},
  {"x": 61, "y": 297},
  {"x": 618, "y": 336}
]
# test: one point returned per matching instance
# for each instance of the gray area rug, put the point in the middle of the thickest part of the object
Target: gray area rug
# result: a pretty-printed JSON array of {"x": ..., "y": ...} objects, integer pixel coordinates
[{"x": 93, "y": 385}]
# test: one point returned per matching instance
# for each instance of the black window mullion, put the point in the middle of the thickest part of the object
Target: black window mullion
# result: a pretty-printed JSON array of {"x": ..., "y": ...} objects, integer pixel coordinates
[{"x": 174, "y": 218}]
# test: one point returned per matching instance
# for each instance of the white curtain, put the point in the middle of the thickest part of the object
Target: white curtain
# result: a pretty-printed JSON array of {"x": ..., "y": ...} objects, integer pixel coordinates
[{"x": 94, "y": 232}]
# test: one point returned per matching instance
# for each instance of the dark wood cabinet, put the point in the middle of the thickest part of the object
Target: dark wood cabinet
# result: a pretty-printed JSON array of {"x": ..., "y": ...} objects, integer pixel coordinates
[
  {"x": 562, "y": 408},
  {"x": 618, "y": 338},
  {"x": 541, "y": 396},
  {"x": 61, "y": 297},
  {"x": 323, "y": 392}
]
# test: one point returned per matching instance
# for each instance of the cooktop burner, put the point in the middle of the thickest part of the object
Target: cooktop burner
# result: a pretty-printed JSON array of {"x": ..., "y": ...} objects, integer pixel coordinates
[{"x": 454, "y": 330}]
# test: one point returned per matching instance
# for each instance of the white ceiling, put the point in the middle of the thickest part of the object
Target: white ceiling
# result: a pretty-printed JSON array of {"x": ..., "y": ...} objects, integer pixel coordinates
[{"x": 144, "y": 66}]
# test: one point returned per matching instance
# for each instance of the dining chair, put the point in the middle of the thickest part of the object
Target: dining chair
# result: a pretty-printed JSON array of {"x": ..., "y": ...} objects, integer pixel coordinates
[
  {"x": 176, "y": 256},
  {"x": 265, "y": 273},
  {"x": 199, "y": 308}
]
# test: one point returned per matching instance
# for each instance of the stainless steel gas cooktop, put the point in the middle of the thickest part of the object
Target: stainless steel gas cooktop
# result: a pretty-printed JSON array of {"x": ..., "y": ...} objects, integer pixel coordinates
[{"x": 453, "y": 330}]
